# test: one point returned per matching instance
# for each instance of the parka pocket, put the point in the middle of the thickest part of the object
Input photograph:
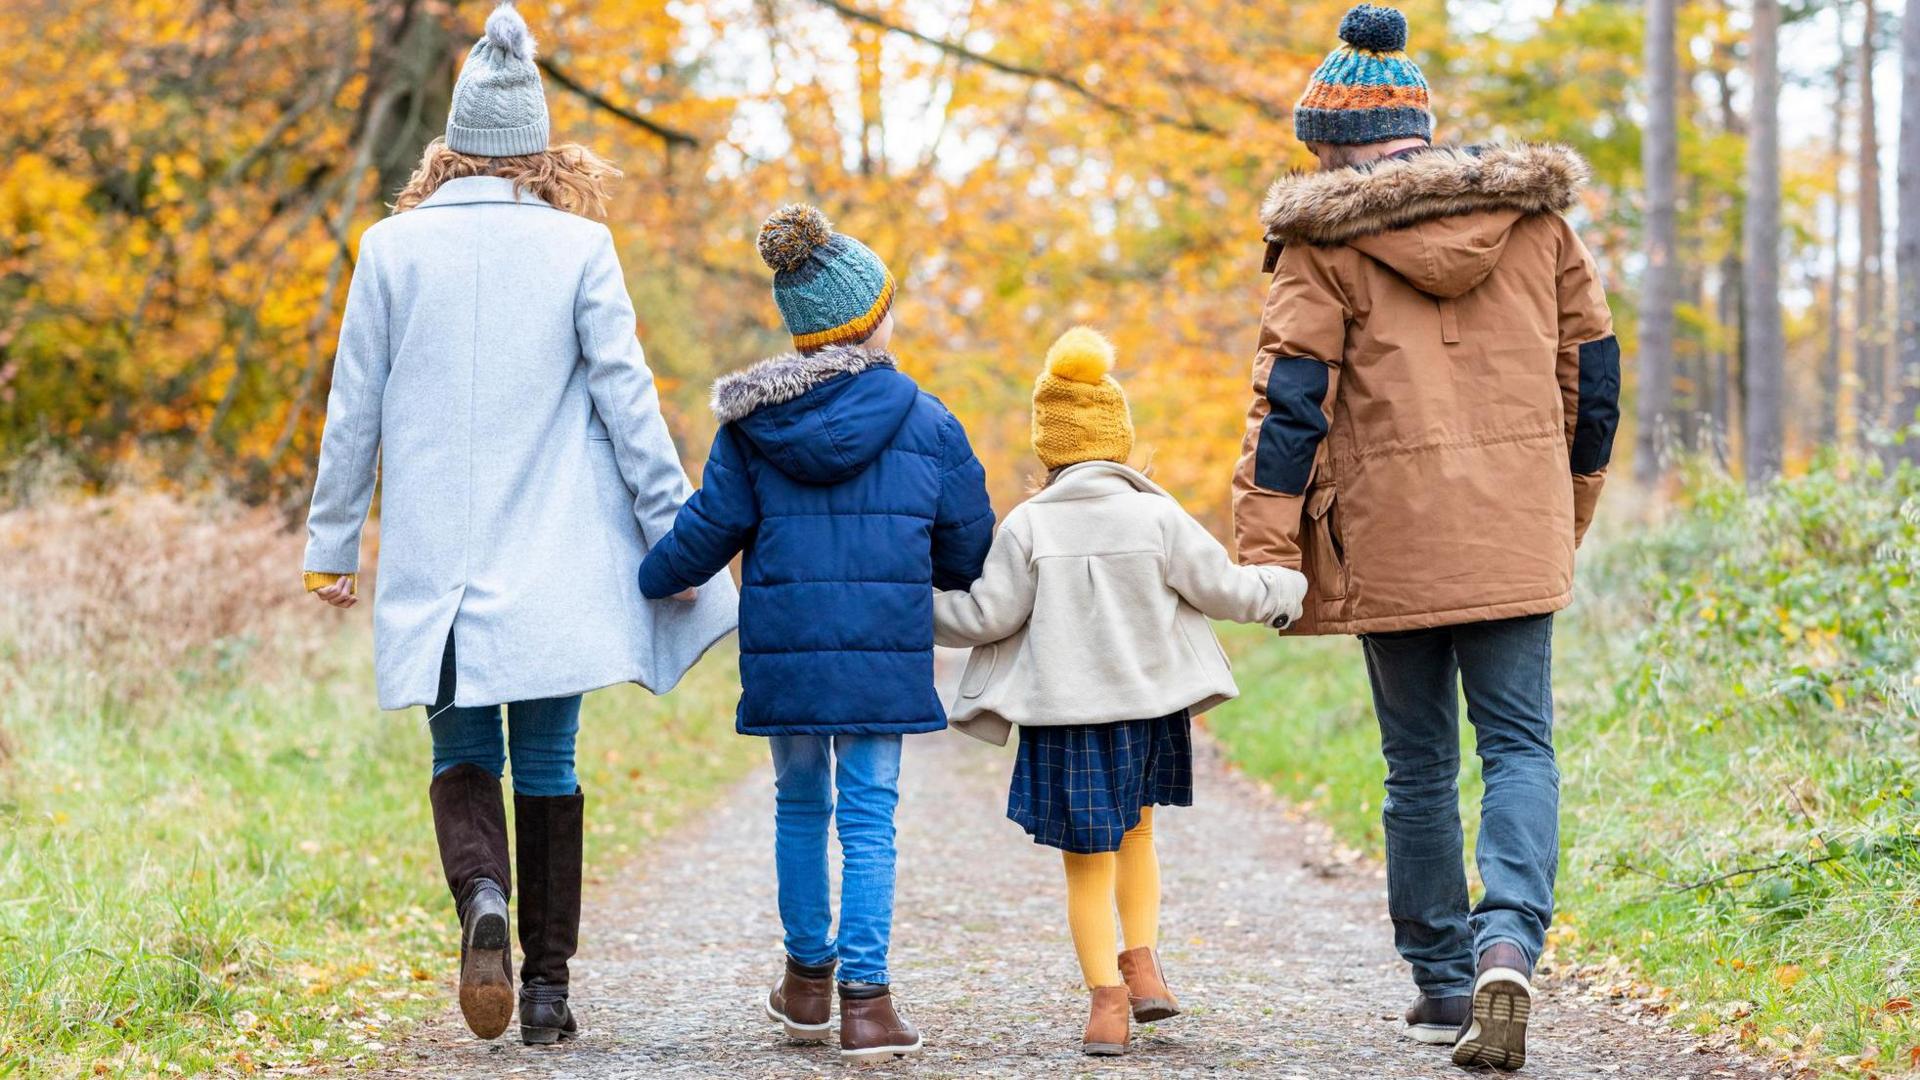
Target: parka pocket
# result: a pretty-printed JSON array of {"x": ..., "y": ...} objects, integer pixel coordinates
[
  {"x": 1329, "y": 575},
  {"x": 973, "y": 682}
]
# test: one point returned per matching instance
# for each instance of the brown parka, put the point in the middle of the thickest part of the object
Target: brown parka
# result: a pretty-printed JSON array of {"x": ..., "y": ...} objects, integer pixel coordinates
[{"x": 1435, "y": 393}]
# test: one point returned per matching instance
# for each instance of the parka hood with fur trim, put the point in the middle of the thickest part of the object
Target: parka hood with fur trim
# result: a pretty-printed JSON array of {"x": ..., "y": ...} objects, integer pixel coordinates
[
  {"x": 820, "y": 417},
  {"x": 1440, "y": 217}
]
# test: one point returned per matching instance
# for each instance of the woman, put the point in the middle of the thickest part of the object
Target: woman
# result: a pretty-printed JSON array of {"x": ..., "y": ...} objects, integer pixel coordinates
[{"x": 487, "y": 358}]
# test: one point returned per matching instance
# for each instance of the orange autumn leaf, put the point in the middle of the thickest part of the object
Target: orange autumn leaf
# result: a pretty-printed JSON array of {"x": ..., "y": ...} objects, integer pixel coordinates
[
  {"x": 1787, "y": 975},
  {"x": 1898, "y": 1005}
]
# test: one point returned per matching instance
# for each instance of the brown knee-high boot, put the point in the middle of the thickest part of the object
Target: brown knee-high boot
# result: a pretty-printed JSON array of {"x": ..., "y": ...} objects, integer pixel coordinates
[
  {"x": 470, "y": 821},
  {"x": 548, "y": 832}
]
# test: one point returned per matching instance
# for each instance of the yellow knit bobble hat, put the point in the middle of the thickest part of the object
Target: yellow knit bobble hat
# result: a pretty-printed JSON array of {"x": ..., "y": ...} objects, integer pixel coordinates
[{"x": 1079, "y": 412}]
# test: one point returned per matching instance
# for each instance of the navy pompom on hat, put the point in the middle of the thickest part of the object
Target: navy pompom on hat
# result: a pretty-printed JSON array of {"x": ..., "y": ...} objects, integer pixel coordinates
[{"x": 1367, "y": 90}]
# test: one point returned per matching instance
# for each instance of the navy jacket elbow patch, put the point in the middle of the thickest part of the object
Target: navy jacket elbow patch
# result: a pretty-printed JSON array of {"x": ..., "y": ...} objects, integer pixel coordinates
[
  {"x": 1599, "y": 409},
  {"x": 1296, "y": 391}
]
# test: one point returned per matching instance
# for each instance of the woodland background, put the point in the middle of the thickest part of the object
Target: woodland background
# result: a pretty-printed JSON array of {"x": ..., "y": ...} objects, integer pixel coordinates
[
  {"x": 182, "y": 188},
  {"x": 184, "y": 181}
]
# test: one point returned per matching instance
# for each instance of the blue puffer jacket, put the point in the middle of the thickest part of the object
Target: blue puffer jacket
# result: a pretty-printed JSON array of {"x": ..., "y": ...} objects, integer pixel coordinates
[{"x": 854, "y": 495}]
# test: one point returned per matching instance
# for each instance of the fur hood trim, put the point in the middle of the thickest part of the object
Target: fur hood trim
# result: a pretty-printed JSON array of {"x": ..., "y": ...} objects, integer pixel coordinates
[
  {"x": 782, "y": 378},
  {"x": 1325, "y": 208}
]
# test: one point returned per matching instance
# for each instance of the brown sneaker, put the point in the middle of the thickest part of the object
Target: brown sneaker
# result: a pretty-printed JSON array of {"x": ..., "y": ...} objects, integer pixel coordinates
[
  {"x": 869, "y": 1028},
  {"x": 802, "y": 1001},
  {"x": 1147, "y": 986},
  {"x": 1496, "y": 1032},
  {"x": 1436, "y": 1021},
  {"x": 1107, "y": 1023}
]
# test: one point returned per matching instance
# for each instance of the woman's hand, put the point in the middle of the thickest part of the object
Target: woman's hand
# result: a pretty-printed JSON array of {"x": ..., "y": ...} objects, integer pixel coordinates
[
  {"x": 685, "y": 596},
  {"x": 340, "y": 593}
]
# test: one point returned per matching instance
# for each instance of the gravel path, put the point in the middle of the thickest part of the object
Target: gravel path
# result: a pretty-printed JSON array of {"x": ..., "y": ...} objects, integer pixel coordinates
[{"x": 1281, "y": 954}]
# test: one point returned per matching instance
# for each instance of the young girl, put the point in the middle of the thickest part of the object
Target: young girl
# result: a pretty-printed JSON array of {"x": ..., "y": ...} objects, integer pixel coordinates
[
  {"x": 488, "y": 365},
  {"x": 1089, "y": 628}
]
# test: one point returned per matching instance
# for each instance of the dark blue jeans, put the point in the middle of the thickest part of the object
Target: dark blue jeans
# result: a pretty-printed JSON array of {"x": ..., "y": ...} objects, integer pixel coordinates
[
  {"x": 1506, "y": 670},
  {"x": 540, "y": 735}
]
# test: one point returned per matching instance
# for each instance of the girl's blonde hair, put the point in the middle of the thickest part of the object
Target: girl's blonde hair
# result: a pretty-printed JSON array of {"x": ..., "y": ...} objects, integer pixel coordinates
[{"x": 569, "y": 176}]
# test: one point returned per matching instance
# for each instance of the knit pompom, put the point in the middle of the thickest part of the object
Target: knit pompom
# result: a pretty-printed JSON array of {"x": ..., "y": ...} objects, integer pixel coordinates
[
  {"x": 1374, "y": 29},
  {"x": 793, "y": 233},
  {"x": 508, "y": 32},
  {"x": 1082, "y": 355}
]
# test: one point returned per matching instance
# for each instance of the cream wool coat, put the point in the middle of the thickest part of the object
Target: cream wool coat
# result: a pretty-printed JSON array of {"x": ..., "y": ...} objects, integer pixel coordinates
[{"x": 1093, "y": 608}]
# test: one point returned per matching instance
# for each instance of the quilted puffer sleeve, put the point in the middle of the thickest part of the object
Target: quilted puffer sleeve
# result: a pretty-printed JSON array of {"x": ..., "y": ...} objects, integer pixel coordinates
[
  {"x": 963, "y": 522},
  {"x": 712, "y": 527}
]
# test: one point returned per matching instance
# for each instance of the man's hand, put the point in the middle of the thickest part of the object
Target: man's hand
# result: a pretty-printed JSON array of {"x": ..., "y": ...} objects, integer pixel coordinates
[{"x": 340, "y": 593}]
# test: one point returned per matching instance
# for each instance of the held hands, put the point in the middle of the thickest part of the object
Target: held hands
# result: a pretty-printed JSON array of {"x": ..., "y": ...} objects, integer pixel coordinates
[
  {"x": 685, "y": 596},
  {"x": 1290, "y": 587}
]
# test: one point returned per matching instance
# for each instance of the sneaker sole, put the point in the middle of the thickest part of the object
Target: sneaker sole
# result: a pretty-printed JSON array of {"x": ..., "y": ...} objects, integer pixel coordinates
[
  {"x": 1149, "y": 1010},
  {"x": 1502, "y": 1004},
  {"x": 875, "y": 1053},
  {"x": 486, "y": 996},
  {"x": 799, "y": 1032},
  {"x": 1434, "y": 1034}
]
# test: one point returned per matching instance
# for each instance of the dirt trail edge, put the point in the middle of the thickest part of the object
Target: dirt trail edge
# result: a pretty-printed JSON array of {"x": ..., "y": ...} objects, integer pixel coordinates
[{"x": 1283, "y": 959}]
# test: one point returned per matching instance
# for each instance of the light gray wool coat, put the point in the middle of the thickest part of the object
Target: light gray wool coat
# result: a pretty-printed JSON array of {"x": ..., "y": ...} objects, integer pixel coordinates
[{"x": 488, "y": 360}]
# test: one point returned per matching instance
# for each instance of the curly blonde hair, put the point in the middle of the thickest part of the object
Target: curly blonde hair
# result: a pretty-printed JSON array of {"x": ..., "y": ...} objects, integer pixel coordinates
[{"x": 569, "y": 176}]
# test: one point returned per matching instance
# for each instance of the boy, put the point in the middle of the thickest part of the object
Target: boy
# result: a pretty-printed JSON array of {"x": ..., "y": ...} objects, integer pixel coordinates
[{"x": 852, "y": 493}]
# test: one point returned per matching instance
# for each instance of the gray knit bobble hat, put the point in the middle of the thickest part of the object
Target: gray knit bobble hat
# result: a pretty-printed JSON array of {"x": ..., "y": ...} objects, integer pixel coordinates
[{"x": 499, "y": 109}]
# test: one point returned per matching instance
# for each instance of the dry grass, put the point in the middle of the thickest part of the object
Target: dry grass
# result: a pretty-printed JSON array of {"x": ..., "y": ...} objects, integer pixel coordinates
[{"x": 137, "y": 594}]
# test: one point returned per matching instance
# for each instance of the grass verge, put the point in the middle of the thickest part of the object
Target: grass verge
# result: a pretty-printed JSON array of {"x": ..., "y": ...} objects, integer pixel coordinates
[
  {"x": 215, "y": 855},
  {"x": 1738, "y": 699}
]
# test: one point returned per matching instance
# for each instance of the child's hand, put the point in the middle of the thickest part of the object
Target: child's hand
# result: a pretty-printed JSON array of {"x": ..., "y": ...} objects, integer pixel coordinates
[
  {"x": 1291, "y": 588},
  {"x": 340, "y": 593},
  {"x": 685, "y": 596}
]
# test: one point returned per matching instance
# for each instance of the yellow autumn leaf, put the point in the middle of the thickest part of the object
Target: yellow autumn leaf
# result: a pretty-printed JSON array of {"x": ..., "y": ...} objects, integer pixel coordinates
[{"x": 1787, "y": 975}]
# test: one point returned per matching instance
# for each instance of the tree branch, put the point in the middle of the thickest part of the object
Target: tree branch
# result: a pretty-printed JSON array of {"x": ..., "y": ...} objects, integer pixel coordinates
[
  {"x": 671, "y": 136},
  {"x": 1063, "y": 81}
]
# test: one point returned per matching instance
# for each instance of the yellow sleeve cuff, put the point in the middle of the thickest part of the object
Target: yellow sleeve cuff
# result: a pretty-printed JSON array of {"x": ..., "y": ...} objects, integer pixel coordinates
[{"x": 320, "y": 579}]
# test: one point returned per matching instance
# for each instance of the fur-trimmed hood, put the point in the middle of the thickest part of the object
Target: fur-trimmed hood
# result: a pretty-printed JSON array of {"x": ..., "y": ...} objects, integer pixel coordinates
[
  {"x": 1325, "y": 208},
  {"x": 779, "y": 379},
  {"x": 820, "y": 417}
]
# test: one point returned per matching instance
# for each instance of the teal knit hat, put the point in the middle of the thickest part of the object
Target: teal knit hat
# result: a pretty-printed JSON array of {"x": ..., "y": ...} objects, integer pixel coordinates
[
  {"x": 1367, "y": 90},
  {"x": 499, "y": 109},
  {"x": 831, "y": 289}
]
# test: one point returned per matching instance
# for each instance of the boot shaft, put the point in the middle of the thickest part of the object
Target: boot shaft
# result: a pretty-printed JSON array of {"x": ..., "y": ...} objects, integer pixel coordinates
[{"x": 548, "y": 837}]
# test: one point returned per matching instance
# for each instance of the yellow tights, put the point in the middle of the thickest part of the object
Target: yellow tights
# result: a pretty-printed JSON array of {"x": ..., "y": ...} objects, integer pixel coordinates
[{"x": 1096, "y": 884}]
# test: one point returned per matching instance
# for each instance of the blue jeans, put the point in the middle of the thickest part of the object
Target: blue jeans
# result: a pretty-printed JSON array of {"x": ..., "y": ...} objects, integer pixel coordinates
[
  {"x": 806, "y": 771},
  {"x": 1506, "y": 669},
  {"x": 540, "y": 736}
]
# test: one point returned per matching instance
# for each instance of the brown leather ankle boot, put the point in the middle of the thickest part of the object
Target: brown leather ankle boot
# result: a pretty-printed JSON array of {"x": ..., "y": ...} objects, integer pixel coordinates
[
  {"x": 1147, "y": 989},
  {"x": 802, "y": 1001},
  {"x": 470, "y": 823},
  {"x": 869, "y": 1028},
  {"x": 550, "y": 831},
  {"x": 1107, "y": 1028}
]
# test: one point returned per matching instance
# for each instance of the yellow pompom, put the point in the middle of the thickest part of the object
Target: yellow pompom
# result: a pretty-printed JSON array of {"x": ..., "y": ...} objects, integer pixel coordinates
[{"x": 1082, "y": 354}]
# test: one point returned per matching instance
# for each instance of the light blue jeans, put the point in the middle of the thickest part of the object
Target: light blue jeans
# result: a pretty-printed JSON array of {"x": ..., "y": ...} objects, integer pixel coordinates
[
  {"x": 1506, "y": 670},
  {"x": 540, "y": 736},
  {"x": 865, "y": 769}
]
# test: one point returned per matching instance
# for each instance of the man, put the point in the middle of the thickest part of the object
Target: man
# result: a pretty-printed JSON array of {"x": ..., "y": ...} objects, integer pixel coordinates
[{"x": 1436, "y": 392}]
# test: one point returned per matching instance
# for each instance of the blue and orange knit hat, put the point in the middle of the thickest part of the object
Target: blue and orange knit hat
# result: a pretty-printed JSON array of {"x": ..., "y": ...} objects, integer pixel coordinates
[
  {"x": 1367, "y": 90},
  {"x": 831, "y": 289}
]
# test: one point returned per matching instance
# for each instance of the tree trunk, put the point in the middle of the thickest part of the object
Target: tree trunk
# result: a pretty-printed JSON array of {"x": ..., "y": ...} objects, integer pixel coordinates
[
  {"x": 1830, "y": 368},
  {"x": 1869, "y": 333},
  {"x": 1659, "y": 150},
  {"x": 1765, "y": 366},
  {"x": 1907, "y": 244}
]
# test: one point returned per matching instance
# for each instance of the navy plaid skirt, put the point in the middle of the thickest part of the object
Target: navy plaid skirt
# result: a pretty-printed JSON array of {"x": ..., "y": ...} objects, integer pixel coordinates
[{"x": 1080, "y": 787}]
